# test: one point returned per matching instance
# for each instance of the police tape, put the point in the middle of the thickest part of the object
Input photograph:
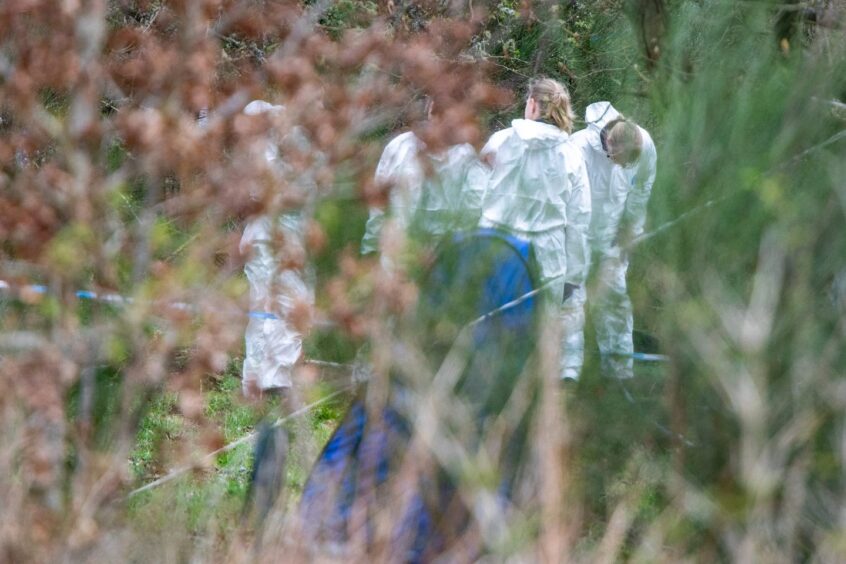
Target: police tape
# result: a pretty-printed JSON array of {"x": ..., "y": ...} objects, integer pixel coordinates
[
  {"x": 116, "y": 299},
  {"x": 647, "y": 357},
  {"x": 112, "y": 298}
]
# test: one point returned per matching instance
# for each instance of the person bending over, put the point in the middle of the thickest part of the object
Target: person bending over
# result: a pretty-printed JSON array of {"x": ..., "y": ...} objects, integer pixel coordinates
[{"x": 621, "y": 162}]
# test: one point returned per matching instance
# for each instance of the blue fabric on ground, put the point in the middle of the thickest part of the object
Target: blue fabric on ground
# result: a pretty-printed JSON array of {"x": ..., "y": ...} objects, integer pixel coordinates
[
  {"x": 474, "y": 274},
  {"x": 329, "y": 493}
]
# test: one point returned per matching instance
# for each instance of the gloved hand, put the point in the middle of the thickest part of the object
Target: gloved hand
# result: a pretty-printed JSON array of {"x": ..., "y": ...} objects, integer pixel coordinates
[{"x": 568, "y": 290}]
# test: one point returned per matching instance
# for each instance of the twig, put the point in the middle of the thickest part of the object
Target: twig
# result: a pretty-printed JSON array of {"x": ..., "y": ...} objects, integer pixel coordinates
[
  {"x": 710, "y": 203},
  {"x": 153, "y": 19},
  {"x": 784, "y": 7},
  {"x": 246, "y": 438},
  {"x": 833, "y": 139}
]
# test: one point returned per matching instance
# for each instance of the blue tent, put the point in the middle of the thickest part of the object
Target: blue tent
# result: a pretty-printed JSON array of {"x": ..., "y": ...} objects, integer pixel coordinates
[{"x": 473, "y": 275}]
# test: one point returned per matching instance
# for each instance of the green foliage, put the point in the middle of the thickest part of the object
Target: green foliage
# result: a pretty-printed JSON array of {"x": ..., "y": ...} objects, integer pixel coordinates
[
  {"x": 66, "y": 247},
  {"x": 737, "y": 442},
  {"x": 217, "y": 496},
  {"x": 161, "y": 425},
  {"x": 347, "y": 14},
  {"x": 587, "y": 46},
  {"x": 741, "y": 125}
]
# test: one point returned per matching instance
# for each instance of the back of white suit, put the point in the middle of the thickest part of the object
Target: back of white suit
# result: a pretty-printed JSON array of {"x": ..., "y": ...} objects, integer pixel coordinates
[
  {"x": 538, "y": 190},
  {"x": 432, "y": 194}
]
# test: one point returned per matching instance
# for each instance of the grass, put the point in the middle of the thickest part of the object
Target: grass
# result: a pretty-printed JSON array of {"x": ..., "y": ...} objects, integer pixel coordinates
[
  {"x": 616, "y": 454},
  {"x": 215, "y": 496}
]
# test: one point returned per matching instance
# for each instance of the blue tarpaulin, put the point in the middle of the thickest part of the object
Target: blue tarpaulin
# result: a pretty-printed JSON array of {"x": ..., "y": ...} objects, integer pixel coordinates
[{"x": 474, "y": 274}]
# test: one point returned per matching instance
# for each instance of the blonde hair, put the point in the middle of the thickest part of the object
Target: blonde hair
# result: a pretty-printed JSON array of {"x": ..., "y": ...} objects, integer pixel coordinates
[
  {"x": 553, "y": 98},
  {"x": 622, "y": 139}
]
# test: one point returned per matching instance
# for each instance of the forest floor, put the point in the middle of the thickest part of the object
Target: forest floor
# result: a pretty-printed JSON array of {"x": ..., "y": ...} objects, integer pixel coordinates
[{"x": 212, "y": 498}]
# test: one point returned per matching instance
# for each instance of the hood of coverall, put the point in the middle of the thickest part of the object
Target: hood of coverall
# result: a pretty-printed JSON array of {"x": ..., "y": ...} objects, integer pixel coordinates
[
  {"x": 525, "y": 189},
  {"x": 528, "y": 189},
  {"x": 257, "y": 107},
  {"x": 597, "y": 116},
  {"x": 537, "y": 134}
]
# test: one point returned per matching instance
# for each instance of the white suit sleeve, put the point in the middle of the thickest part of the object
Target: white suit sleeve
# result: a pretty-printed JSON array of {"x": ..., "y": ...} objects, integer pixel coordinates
[
  {"x": 634, "y": 215},
  {"x": 488, "y": 152},
  {"x": 578, "y": 219},
  {"x": 475, "y": 185},
  {"x": 370, "y": 241},
  {"x": 385, "y": 174}
]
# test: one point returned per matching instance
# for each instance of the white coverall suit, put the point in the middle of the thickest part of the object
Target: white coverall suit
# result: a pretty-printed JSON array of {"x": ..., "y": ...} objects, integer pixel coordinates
[
  {"x": 619, "y": 197},
  {"x": 273, "y": 345},
  {"x": 538, "y": 190},
  {"x": 449, "y": 199}
]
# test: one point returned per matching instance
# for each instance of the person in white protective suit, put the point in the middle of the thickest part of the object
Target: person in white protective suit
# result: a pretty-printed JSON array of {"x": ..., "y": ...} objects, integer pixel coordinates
[
  {"x": 276, "y": 273},
  {"x": 621, "y": 163},
  {"x": 433, "y": 194},
  {"x": 538, "y": 190}
]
